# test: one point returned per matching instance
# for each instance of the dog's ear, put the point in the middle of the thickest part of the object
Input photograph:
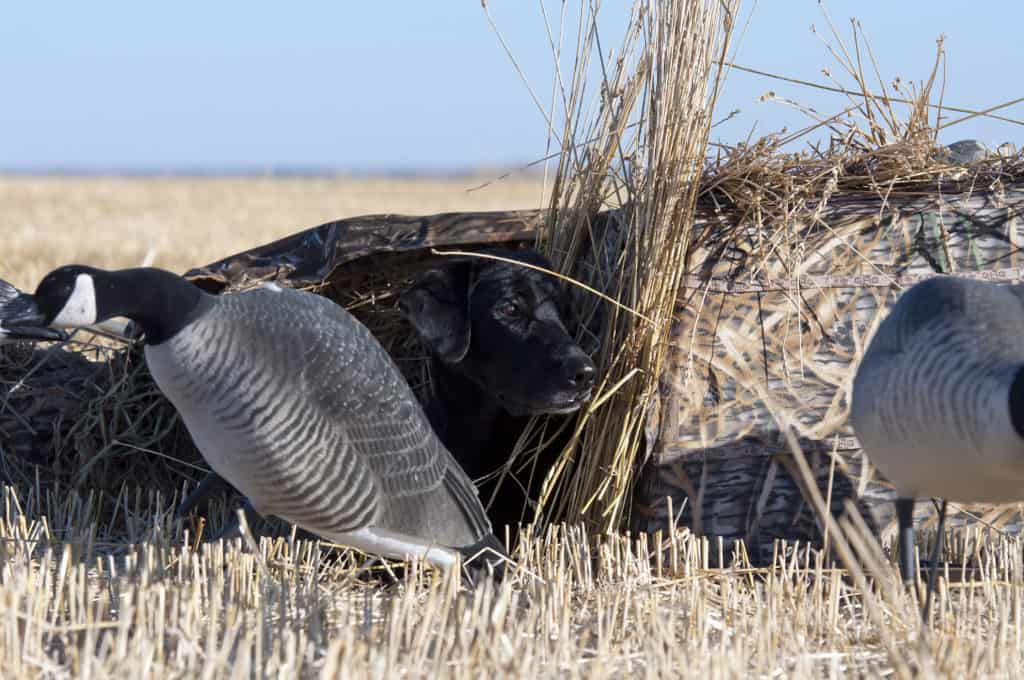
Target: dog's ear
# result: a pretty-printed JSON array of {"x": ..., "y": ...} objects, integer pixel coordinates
[{"x": 437, "y": 306}]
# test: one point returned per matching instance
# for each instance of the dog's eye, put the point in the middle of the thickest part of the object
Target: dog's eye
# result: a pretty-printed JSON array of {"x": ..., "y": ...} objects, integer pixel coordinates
[{"x": 508, "y": 309}]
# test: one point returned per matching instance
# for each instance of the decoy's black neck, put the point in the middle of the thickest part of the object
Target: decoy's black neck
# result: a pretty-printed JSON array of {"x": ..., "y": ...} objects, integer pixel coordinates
[
  {"x": 1017, "y": 402},
  {"x": 162, "y": 303}
]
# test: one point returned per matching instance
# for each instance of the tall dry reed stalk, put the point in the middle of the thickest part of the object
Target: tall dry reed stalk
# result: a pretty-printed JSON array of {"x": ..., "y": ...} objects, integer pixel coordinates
[{"x": 644, "y": 153}]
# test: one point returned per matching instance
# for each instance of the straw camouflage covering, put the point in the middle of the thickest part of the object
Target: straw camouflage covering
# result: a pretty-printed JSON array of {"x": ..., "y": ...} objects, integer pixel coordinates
[{"x": 752, "y": 348}]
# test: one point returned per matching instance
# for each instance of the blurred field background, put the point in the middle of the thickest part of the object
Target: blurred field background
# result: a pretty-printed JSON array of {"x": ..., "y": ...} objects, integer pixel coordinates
[{"x": 182, "y": 222}]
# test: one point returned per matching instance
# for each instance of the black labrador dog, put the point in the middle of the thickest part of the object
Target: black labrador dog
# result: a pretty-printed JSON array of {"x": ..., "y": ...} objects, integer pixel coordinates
[{"x": 500, "y": 351}]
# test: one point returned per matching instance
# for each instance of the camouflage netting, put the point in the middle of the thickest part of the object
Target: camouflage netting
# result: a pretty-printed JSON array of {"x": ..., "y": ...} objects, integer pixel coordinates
[{"x": 89, "y": 418}]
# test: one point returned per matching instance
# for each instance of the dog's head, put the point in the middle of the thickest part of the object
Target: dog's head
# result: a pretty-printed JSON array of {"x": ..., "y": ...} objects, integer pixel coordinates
[{"x": 503, "y": 326}]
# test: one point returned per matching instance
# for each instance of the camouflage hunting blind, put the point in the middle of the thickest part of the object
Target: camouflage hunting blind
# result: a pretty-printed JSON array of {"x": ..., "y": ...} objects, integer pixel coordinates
[
  {"x": 750, "y": 348},
  {"x": 755, "y": 341}
]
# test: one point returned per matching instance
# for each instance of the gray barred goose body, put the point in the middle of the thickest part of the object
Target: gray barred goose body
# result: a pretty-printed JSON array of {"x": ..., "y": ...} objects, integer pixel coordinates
[
  {"x": 938, "y": 398},
  {"x": 294, "y": 402}
]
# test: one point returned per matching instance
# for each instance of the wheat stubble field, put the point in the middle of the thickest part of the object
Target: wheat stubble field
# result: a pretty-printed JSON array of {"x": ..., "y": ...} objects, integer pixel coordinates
[
  {"x": 178, "y": 222},
  {"x": 84, "y": 594}
]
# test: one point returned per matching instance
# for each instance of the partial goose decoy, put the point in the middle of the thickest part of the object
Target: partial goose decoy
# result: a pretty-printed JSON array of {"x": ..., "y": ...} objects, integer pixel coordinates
[
  {"x": 16, "y": 304},
  {"x": 295, "y": 403},
  {"x": 938, "y": 399}
]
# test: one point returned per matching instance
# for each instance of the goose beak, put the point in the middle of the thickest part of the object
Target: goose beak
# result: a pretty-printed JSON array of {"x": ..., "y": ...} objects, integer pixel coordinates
[
  {"x": 27, "y": 322},
  {"x": 22, "y": 333}
]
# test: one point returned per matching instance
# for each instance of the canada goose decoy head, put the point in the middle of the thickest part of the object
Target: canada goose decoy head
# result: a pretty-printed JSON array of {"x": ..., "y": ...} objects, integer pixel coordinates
[
  {"x": 75, "y": 296},
  {"x": 21, "y": 318}
]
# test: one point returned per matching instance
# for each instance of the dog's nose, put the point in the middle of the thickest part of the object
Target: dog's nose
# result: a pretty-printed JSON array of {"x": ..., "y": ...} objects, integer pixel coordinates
[{"x": 579, "y": 370}]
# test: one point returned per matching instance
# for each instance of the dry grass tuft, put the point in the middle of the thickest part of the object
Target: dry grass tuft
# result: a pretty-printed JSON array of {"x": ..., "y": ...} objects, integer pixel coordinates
[{"x": 645, "y": 150}]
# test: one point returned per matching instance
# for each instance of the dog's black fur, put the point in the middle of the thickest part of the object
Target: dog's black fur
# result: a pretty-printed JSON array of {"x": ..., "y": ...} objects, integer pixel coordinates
[{"x": 500, "y": 352}]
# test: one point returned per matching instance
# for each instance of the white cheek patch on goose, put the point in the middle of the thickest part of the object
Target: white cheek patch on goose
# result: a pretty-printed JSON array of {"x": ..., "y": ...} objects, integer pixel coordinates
[{"x": 80, "y": 308}]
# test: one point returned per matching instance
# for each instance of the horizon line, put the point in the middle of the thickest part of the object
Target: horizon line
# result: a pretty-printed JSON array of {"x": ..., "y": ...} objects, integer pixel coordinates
[{"x": 297, "y": 170}]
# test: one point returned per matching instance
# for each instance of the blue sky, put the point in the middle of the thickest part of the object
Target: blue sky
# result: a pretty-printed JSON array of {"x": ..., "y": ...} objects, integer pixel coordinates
[{"x": 405, "y": 85}]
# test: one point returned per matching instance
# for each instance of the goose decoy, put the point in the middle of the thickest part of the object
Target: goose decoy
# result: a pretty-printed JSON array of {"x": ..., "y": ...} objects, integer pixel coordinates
[
  {"x": 938, "y": 400},
  {"x": 16, "y": 304},
  {"x": 295, "y": 403}
]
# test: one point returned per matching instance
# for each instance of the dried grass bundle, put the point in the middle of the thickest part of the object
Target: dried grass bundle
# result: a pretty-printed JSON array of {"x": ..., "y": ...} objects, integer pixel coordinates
[{"x": 645, "y": 152}]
